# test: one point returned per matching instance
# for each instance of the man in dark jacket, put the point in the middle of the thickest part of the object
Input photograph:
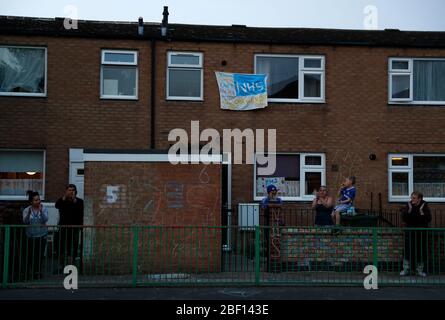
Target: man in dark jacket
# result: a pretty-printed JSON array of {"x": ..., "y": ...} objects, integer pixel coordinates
[
  {"x": 71, "y": 214},
  {"x": 416, "y": 214}
]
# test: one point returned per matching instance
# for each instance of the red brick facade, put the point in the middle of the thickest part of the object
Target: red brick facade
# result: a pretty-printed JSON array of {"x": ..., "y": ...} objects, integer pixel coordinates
[{"x": 355, "y": 121}]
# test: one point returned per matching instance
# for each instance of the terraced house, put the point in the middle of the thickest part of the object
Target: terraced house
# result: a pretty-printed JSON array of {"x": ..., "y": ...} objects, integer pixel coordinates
[
  {"x": 94, "y": 106},
  {"x": 368, "y": 103}
]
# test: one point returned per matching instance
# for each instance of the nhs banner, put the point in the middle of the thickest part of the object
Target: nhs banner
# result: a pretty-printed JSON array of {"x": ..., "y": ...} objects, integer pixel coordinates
[{"x": 242, "y": 91}]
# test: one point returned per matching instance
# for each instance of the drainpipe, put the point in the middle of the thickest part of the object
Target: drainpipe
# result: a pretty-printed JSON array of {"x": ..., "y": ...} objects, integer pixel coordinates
[
  {"x": 153, "y": 95},
  {"x": 164, "y": 32},
  {"x": 153, "y": 82}
]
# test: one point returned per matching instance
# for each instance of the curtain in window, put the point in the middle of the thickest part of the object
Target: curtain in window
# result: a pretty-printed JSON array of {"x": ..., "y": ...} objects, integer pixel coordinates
[
  {"x": 429, "y": 80},
  {"x": 22, "y": 70},
  {"x": 282, "y": 76}
]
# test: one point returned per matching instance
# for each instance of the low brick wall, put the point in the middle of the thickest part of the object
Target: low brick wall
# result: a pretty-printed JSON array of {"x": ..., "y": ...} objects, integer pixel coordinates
[
  {"x": 310, "y": 248},
  {"x": 318, "y": 247}
]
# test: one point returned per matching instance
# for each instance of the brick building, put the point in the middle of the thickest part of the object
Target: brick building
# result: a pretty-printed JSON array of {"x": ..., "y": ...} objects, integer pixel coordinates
[{"x": 367, "y": 103}]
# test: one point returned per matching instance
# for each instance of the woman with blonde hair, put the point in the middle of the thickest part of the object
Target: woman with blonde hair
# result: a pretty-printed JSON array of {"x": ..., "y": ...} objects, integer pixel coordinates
[{"x": 323, "y": 204}]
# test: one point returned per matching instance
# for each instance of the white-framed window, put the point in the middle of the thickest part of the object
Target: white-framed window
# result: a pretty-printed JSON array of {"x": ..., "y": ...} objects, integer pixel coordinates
[
  {"x": 416, "y": 80},
  {"x": 416, "y": 172},
  {"x": 119, "y": 74},
  {"x": 23, "y": 71},
  {"x": 20, "y": 171},
  {"x": 293, "y": 78},
  {"x": 296, "y": 176},
  {"x": 185, "y": 76}
]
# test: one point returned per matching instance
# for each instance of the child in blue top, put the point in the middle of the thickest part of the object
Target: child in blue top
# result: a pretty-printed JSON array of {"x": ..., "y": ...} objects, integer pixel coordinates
[
  {"x": 271, "y": 197},
  {"x": 346, "y": 199}
]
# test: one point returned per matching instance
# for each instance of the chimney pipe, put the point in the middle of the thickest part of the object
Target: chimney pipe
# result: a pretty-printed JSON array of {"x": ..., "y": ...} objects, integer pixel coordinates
[
  {"x": 141, "y": 26},
  {"x": 164, "y": 25}
]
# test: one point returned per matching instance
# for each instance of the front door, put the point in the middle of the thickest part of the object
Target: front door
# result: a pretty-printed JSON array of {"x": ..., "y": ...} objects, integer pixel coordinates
[{"x": 77, "y": 177}]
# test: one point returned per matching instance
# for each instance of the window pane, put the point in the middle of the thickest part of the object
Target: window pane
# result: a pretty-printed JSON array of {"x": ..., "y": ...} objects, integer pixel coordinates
[
  {"x": 312, "y": 63},
  {"x": 312, "y": 182},
  {"x": 120, "y": 57},
  {"x": 184, "y": 83},
  {"x": 400, "y": 184},
  {"x": 21, "y": 161},
  {"x": 429, "y": 176},
  {"x": 22, "y": 70},
  {"x": 312, "y": 85},
  {"x": 286, "y": 176},
  {"x": 119, "y": 81},
  {"x": 21, "y": 171},
  {"x": 282, "y": 76},
  {"x": 184, "y": 59},
  {"x": 400, "y": 86},
  {"x": 400, "y": 65},
  {"x": 312, "y": 161},
  {"x": 429, "y": 80},
  {"x": 399, "y": 161}
]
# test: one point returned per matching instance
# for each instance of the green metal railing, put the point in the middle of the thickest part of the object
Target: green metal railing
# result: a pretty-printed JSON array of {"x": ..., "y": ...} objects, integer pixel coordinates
[{"x": 199, "y": 255}]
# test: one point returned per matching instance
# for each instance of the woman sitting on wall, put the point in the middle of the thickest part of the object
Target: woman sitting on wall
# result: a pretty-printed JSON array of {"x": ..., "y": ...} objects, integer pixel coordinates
[{"x": 323, "y": 204}]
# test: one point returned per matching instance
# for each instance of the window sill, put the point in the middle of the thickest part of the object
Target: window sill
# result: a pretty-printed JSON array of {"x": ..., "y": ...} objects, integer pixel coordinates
[
  {"x": 105, "y": 98},
  {"x": 289, "y": 199},
  {"x": 416, "y": 104},
  {"x": 429, "y": 200},
  {"x": 24, "y": 95},
  {"x": 185, "y": 99},
  {"x": 295, "y": 102}
]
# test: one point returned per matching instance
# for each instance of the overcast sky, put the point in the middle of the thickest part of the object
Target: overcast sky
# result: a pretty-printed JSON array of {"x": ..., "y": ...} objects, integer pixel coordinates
[{"x": 345, "y": 14}]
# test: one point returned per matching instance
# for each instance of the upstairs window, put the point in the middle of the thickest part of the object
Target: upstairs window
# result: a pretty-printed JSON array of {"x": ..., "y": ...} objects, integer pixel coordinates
[
  {"x": 22, "y": 71},
  {"x": 417, "y": 81},
  {"x": 292, "y": 78},
  {"x": 184, "y": 76},
  {"x": 119, "y": 75}
]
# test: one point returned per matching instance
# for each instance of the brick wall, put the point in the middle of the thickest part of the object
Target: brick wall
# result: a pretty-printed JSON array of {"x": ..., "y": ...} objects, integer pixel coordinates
[
  {"x": 306, "y": 246},
  {"x": 356, "y": 110},
  {"x": 73, "y": 115},
  {"x": 355, "y": 121},
  {"x": 317, "y": 249},
  {"x": 154, "y": 194}
]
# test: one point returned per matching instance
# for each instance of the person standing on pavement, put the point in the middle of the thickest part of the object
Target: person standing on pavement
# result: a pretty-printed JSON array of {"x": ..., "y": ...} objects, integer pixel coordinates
[
  {"x": 71, "y": 211},
  {"x": 416, "y": 214},
  {"x": 36, "y": 216}
]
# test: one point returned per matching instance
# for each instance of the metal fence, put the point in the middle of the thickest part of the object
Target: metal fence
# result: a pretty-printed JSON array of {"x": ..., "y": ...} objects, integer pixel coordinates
[
  {"x": 253, "y": 214},
  {"x": 257, "y": 255}
]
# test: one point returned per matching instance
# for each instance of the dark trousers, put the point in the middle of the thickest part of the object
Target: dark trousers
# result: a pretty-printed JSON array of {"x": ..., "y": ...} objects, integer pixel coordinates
[
  {"x": 35, "y": 254},
  {"x": 68, "y": 246},
  {"x": 416, "y": 247}
]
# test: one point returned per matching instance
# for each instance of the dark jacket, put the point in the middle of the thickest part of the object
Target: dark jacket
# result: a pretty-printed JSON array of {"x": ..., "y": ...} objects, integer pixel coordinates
[
  {"x": 416, "y": 216},
  {"x": 71, "y": 213}
]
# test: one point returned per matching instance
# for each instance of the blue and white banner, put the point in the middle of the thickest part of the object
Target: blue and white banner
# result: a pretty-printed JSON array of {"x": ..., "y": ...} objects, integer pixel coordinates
[{"x": 242, "y": 91}]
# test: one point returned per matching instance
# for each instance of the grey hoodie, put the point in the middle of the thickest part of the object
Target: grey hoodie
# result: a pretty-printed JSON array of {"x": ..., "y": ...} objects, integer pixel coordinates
[{"x": 37, "y": 221}]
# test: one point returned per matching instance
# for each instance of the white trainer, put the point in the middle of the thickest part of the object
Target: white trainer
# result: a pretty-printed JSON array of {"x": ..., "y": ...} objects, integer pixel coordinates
[
  {"x": 420, "y": 272},
  {"x": 404, "y": 272}
]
